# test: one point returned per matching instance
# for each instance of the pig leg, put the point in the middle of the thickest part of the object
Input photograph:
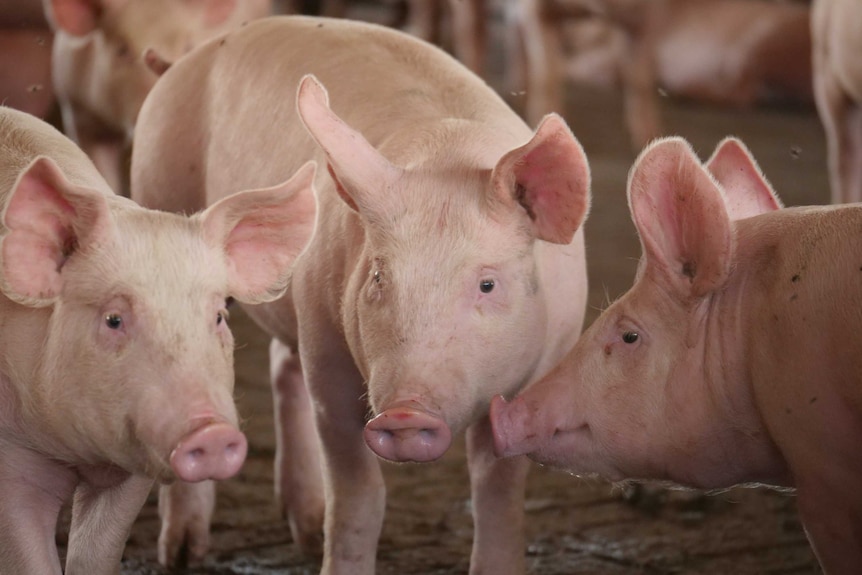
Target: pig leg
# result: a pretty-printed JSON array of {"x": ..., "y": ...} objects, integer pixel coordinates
[
  {"x": 640, "y": 91},
  {"x": 298, "y": 473},
  {"x": 469, "y": 32},
  {"x": 33, "y": 491},
  {"x": 102, "y": 518},
  {"x": 353, "y": 481},
  {"x": 543, "y": 52},
  {"x": 833, "y": 522},
  {"x": 423, "y": 17},
  {"x": 497, "y": 487},
  {"x": 842, "y": 122},
  {"x": 186, "y": 510}
]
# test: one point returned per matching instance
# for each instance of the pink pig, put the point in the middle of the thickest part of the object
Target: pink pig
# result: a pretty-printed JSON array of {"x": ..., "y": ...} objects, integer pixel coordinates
[
  {"x": 447, "y": 266},
  {"x": 116, "y": 362},
  {"x": 734, "y": 358},
  {"x": 99, "y": 73}
]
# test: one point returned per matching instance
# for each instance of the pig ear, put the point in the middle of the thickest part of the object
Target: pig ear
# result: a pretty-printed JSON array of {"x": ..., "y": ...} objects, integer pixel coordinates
[
  {"x": 262, "y": 233},
  {"x": 215, "y": 11},
  {"x": 747, "y": 192},
  {"x": 356, "y": 166},
  {"x": 75, "y": 17},
  {"x": 681, "y": 217},
  {"x": 550, "y": 178},
  {"x": 46, "y": 220}
]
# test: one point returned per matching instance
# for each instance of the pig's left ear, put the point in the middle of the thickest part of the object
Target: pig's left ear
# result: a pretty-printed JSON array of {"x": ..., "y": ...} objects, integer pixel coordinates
[
  {"x": 681, "y": 218},
  {"x": 747, "y": 192},
  {"x": 550, "y": 178},
  {"x": 46, "y": 220},
  {"x": 262, "y": 233}
]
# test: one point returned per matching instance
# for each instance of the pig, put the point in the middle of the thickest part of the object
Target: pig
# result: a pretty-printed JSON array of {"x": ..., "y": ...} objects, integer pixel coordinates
[
  {"x": 116, "y": 361},
  {"x": 734, "y": 358},
  {"x": 447, "y": 264},
  {"x": 836, "y": 32},
  {"x": 736, "y": 53},
  {"x": 99, "y": 75}
]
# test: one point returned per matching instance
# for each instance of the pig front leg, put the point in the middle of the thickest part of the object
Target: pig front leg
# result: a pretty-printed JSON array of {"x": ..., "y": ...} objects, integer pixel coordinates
[
  {"x": 186, "y": 511},
  {"x": 298, "y": 473},
  {"x": 32, "y": 491},
  {"x": 102, "y": 517},
  {"x": 497, "y": 487},
  {"x": 842, "y": 122},
  {"x": 353, "y": 481}
]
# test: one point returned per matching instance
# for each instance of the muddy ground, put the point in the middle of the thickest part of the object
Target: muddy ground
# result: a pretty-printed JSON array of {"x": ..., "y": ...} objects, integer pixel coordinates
[{"x": 575, "y": 526}]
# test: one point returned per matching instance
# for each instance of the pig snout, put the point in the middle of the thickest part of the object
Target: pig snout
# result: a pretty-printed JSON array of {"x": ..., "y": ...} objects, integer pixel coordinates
[
  {"x": 510, "y": 422},
  {"x": 406, "y": 431},
  {"x": 212, "y": 451}
]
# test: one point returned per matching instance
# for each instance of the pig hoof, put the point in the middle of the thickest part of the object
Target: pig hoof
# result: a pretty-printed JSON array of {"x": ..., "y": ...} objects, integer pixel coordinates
[
  {"x": 406, "y": 433},
  {"x": 214, "y": 451}
]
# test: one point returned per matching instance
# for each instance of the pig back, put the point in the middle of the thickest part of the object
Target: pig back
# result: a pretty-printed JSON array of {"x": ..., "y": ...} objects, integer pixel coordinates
[{"x": 23, "y": 138}]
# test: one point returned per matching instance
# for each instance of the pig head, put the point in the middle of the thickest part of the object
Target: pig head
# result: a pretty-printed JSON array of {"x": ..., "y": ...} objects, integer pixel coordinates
[
  {"x": 99, "y": 73},
  {"x": 731, "y": 360},
  {"x": 117, "y": 361}
]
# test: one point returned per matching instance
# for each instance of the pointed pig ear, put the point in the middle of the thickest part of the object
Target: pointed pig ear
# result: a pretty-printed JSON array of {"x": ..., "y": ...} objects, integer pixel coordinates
[
  {"x": 356, "y": 166},
  {"x": 550, "y": 178},
  {"x": 681, "y": 218},
  {"x": 46, "y": 220},
  {"x": 75, "y": 17},
  {"x": 262, "y": 233},
  {"x": 747, "y": 192},
  {"x": 215, "y": 12}
]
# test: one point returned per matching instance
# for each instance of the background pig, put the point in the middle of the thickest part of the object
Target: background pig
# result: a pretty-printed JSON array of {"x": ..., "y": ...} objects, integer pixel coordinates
[
  {"x": 99, "y": 75},
  {"x": 734, "y": 358},
  {"x": 836, "y": 30},
  {"x": 116, "y": 362},
  {"x": 447, "y": 265}
]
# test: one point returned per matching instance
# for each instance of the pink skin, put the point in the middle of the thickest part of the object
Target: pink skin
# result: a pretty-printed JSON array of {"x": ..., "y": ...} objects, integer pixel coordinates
[
  {"x": 727, "y": 52},
  {"x": 836, "y": 29},
  {"x": 447, "y": 265},
  {"x": 100, "y": 77},
  {"x": 733, "y": 359},
  {"x": 123, "y": 340}
]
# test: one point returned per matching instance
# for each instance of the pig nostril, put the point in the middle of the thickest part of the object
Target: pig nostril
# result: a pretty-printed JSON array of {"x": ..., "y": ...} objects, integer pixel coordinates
[{"x": 197, "y": 453}]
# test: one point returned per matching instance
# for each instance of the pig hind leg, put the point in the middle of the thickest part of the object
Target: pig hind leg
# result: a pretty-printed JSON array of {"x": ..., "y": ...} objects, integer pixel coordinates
[
  {"x": 185, "y": 510},
  {"x": 298, "y": 473},
  {"x": 497, "y": 488}
]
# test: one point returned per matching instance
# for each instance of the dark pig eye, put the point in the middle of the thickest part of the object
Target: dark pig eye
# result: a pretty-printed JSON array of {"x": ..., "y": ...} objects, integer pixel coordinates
[
  {"x": 486, "y": 286},
  {"x": 630, "y": 336},
  {"x": 113, "y": 321},
  {"x": 222, "y": 316},
  {"x": 378, "y": 276}
]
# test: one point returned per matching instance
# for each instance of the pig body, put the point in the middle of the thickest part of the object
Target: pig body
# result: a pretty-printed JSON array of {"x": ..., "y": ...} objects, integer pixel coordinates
[
  {"x": 836, "y": 30},
  {"x": 447, "y": 261},
  {"x": 729, "y": 52},
  {"x": 99, "y": 73},
  {"x": 733, "y": 358},
  {"x": 116, "y": 363}
]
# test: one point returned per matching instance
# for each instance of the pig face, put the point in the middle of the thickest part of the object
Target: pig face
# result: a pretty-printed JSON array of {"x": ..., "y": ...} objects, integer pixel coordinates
[
  {"x": 643, "y": 393},
  {"x": 136, "y": 367},
  {"x": 447, "y": 307}
]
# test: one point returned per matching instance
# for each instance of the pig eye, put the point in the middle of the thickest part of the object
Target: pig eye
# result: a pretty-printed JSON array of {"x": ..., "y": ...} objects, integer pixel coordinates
[
  {"x": 113, "y": 321},
  {"x": 630, "y": 336},
  {"x": 378, "y": 276},
  {"x": 486, "y": 286},
  {"x": 222, "y": 316}
]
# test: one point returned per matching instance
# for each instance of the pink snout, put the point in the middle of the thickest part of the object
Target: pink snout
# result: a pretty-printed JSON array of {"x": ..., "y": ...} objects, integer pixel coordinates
[
  {"x": 214, "y": 451},
  {"x": 407, "y": 432},
  {"x": 508, "y": 423}
]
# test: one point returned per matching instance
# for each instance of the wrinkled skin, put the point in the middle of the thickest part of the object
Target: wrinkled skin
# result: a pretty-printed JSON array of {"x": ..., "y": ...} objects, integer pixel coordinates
[
  {"x": 447, "y": 264},
  {"x": 728, "y": 52},
  {"x": 734, "y": 358},
  {"x": 836, "y": 33},
  {"x": 116, "y": 362},
  {"x": 100, "y": 75}
]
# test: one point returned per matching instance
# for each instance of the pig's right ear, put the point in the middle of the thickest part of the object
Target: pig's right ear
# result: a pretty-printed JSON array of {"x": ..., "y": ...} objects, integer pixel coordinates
[
  {"x": 746, "y": 190},
  {"x": 46, "y": 219},
  {"x": 75, "y": 17},
  {"x": 262, "y": 232},
  {"x": 681, "y": 218}
]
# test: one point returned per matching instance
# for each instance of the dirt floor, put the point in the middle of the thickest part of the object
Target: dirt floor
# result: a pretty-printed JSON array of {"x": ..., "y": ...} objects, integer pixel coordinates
[{"x": 575, "y": 526}]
